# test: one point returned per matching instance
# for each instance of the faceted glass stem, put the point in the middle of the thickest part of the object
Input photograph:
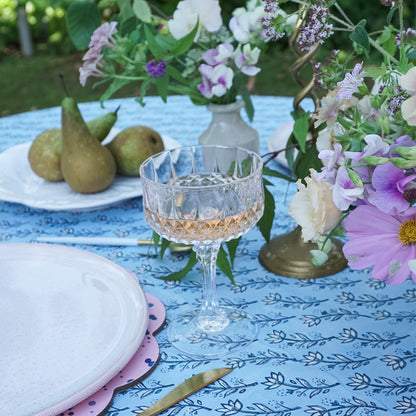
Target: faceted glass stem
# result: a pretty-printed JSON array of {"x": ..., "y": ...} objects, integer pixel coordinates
[{"x": 210, "y": 317}]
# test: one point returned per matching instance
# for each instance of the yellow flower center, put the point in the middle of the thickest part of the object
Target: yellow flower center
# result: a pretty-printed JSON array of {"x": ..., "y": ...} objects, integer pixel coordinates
[{"x": 407, "y": 232}]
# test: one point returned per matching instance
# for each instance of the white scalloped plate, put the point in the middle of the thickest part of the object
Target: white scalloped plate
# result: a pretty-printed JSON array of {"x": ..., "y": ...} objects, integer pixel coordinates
[
  {"x": 18, "y": 183},
  {"x": 70, "y": 321}
]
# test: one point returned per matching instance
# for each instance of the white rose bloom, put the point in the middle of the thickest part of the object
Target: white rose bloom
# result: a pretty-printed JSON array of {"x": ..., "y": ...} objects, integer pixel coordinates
[
  {"x": 313, "y": 208},
  {"x": 187, "y": 13}
]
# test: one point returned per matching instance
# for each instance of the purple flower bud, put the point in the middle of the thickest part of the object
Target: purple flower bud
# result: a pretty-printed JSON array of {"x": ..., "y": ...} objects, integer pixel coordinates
[{"x": 156, "y": 69}]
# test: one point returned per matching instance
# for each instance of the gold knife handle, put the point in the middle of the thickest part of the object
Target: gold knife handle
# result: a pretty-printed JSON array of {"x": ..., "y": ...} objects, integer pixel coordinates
[{"x": 185, "y": 389}]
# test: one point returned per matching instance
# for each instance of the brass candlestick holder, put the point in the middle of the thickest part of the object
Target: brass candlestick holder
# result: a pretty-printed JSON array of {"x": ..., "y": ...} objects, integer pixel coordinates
[{"x": 288, "y": 255}]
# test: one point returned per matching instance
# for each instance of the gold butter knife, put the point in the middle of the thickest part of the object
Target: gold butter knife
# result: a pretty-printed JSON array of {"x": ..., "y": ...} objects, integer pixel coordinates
[{"x": 185, "y": 389}]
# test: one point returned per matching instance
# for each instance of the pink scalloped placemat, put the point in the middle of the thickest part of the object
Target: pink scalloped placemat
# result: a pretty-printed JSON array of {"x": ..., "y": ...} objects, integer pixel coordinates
[{"x": 138, "y": 368}]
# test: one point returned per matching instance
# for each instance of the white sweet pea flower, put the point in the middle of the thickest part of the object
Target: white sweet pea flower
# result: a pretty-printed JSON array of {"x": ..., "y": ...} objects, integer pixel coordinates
[
  {"x": 245, "y": 23},
  {"x": 313, "y": 208},
  {"x": 215, "y": 80},
  {"x": 246, "y": 59},
  {"x": 187, "y": 14},
  {"x": 409, "y": 110},
  {"x": 408, "y": 82}
]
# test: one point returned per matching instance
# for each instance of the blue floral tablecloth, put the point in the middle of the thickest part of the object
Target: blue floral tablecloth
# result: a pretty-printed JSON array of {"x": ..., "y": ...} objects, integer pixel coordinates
[{"x": 339, "y": 345}]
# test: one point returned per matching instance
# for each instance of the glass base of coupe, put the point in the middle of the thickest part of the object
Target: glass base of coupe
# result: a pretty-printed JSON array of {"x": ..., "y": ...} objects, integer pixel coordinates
[{"x": 205, "y": 195}]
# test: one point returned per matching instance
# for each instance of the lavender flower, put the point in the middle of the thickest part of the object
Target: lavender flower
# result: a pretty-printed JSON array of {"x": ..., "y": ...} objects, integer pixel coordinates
[
  {"x": 156, "y": 69},
  {"x": 388, "y": 3},
  {"x": 349, "y": 85},
  {"x": 271, "y": 8},
  {"x": 317, "y": 29},
  {"x": 405, "y": 36},
  {"x": 396, "y": 100}
]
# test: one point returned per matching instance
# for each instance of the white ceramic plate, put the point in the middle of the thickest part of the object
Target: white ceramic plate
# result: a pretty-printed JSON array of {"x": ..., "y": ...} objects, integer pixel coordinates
[
  {"x": 18, "y": 183},
  {"x": 70, "y": 321}
]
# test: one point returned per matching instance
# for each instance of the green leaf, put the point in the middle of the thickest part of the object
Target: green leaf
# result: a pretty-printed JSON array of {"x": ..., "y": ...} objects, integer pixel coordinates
[
  {"x": 266, "y": 221},
  {"x": 183, "y": 272},
  {"x": 126, "y": 11},
  {"x": 391, "y": 14},
  {"x": 82, "y": 18},
  {"x": 307, "y": 160},
  {"x": 174, "y": 73},
  {"x": 375, "y": 73},
  {"x": 112, "y": 88},
  {"x": 360, "y": 36},
  {"x": 142, "y": 10},
  {"x": 154, "y": 47},
  {"x": 232, "y": 249},
  {"x": 163, "y": 86},
  {"x": 248, "y": 104},
  {"x": 156, "y": 239},
  {"x": 276, "y": 174},
  {"x": 301, "y": 127},
  {"x": 411, "y": 54},
  {"x": 128, "y": 25},
  {"x": 224, "y": 265},
  {"x": 183, "y": 44}
]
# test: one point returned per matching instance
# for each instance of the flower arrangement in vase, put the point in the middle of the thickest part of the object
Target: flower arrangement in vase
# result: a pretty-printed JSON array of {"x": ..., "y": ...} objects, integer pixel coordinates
[
  {"x": 192, "y": 53},
  {"x": 365, "y": 140}
]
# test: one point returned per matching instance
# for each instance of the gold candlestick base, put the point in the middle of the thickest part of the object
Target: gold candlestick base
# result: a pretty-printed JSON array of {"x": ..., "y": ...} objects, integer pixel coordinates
[{"x": 288, "y": 255}]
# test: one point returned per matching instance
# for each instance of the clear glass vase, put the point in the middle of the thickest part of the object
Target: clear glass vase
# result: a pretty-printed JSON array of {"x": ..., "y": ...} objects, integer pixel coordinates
[{"x": 228, "y": 128}]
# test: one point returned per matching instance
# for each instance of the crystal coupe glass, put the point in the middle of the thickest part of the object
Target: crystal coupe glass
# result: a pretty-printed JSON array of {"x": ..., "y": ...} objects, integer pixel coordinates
[{"x": 203, "y": 196}]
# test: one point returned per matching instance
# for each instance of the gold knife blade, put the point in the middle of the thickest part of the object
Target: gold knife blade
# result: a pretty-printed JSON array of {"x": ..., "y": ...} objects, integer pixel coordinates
[{"x": 185, "y": 389}]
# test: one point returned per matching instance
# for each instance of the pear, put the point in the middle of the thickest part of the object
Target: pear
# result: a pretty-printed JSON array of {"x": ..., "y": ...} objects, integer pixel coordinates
[
  {"x": 45, "y": 151},
  {"x": 132, "y": 146},
  {"x": 87, "y": 166},
  {"x": 45, "y": 155}
]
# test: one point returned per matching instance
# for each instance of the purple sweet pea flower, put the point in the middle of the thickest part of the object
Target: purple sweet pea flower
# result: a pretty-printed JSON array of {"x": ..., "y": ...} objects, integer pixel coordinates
[
  {"x": 345, "y": 192},
  {"x": 402, "y": 141},
  {"x": 222, "y": 54},
  {"x": 331, "y": 159},
  {"x": 156, "y": 69},
  {"x": 215, "y": 80},
  {"x": 390, "y": 183}
]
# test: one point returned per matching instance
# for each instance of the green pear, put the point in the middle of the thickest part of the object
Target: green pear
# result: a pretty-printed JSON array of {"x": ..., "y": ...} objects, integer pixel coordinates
[
  {"x": 45, "y": 151},
  {"x": 87, "y": 166},
  {"x": 132, "y": 146},
  {"x": 45, "y": 155}
]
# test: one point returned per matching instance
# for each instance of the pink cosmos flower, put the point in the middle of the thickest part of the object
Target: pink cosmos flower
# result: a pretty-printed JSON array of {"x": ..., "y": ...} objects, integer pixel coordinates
[
  {"x": 386, "y": 242},
  {"x": 349, "y": 85}
]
